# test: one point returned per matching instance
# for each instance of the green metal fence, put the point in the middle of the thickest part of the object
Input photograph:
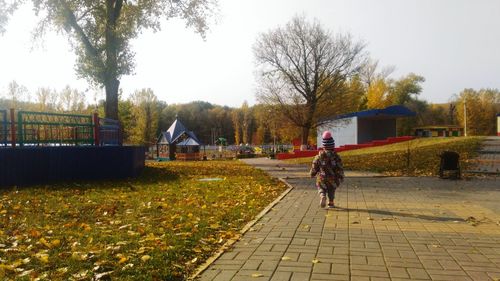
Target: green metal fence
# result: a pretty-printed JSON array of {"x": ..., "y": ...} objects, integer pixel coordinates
[{"x": 35, "y": 128}]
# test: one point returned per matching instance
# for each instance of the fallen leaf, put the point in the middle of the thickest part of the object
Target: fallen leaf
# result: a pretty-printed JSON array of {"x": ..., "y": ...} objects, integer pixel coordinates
[
  {"x": 256, "y": 275},
  {"x": 62, "y": 270},
  {"x": 43, "y": 257},
  {"x": 26, "y": 272},
  {"x": 80, "y": 274},
  {"x": 315, "y": 261},
  {"x": 86, "y": 227},
  {"x": 285, "y": 258},
  {"x": 130, "y": 265},
  {"x": 44, "y": 242},
  {"x": 145, "y": 258},
  {"x": 55, "y": 243},
  {"x": 101, "y": 275},
  {"x": 215, "y": 226}
]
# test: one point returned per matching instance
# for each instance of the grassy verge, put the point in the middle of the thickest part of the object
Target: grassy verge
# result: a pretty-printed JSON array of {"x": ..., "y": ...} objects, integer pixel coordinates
[
  {"x": 419, "y": 157},
  {"x": 157, "y": 227}
]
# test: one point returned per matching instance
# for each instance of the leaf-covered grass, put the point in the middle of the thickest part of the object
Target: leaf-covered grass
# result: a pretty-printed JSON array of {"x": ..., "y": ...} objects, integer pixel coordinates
[
  {"x": 419, "y": 157},
  {"x": 159, "y": 226}
]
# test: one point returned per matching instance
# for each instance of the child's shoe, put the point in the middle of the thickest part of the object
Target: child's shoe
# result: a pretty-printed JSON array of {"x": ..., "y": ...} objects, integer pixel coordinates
[
  {"x": 322, "y": 201},
  {"x": 331, "y": 204}
]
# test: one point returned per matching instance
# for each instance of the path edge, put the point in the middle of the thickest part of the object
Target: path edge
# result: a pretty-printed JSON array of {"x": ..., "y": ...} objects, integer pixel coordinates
[{"x": 245, "y": 229}]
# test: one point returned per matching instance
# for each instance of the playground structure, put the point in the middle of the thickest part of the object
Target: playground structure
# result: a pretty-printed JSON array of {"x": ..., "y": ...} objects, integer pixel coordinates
[
  {"x": 28, "y": 128},
  {"x": 44, "y": 147}
]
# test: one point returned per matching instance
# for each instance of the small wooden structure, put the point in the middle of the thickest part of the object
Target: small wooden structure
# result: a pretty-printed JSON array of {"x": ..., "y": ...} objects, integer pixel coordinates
[
  {"x": 178, "y": 143},
  {"x": 439, "y": 131}
]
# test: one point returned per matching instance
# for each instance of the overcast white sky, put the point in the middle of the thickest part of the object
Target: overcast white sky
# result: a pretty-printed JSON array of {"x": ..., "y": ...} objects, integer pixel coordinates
[{"x": 454, "y": 44}]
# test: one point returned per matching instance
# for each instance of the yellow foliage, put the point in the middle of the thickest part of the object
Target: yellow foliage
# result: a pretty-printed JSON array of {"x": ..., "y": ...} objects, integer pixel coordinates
[{"x": 377, "y": 95}]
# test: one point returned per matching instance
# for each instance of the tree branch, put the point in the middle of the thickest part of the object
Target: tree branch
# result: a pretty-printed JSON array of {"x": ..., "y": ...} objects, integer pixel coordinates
[{"x": 71, "y": 19}]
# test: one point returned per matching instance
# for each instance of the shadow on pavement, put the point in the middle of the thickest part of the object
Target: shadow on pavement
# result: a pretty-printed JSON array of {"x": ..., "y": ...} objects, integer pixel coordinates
[{"x": 407, "y": 215}]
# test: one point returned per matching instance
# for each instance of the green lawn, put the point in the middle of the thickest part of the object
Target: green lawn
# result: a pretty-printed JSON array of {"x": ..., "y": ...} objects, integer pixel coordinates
[
  {"x": 417, "y": 157},
  {"x": 159, "y": 226}
]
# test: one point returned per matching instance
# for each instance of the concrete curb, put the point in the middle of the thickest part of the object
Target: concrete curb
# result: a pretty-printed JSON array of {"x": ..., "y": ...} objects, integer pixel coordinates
[{"x": 247, "y": 227}]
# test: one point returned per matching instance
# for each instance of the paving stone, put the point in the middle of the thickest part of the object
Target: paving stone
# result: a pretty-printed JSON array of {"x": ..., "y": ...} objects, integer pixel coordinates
[
  {"x": 281, "y": 276},
  {"x": 417, "y": 273},
  {"x": 251, "y": 264},
  {"x": 323, "y": 268},
  {"x": 295, "y": 268},
  {"x": 397, "y": 272},
  {"x": 268, "y": 265},
  {"x": 225, "y": 275},
  {"x": 299, "y": 276}
]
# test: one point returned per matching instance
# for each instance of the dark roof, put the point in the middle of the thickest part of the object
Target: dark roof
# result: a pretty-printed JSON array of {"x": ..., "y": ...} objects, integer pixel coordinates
[
  {"x": 176, "y": 130},
  {"x": 390, "y": 111},
  {"x": 193, "y": 136},
  {"x": 189, "y": 142}
]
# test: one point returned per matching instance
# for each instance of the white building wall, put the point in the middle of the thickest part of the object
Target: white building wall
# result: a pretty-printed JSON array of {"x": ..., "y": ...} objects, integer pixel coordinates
[
  {"x": 344, "y": 131},
  {"x": 498, "y": 126}
]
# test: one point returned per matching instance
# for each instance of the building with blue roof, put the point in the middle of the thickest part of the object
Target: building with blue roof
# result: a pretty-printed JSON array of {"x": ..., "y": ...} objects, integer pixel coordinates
[
  {"x": 364, "y": 126},
  {"x": 178, "y": 143}
]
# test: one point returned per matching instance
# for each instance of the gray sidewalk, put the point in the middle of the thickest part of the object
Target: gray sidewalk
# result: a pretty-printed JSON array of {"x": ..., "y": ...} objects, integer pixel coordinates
[
  {"x": 488, "y": 161},
  {"x": 383, "y": 229}
]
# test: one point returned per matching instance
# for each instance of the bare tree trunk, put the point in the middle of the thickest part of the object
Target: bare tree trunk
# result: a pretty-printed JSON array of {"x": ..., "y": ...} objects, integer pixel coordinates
[
  {"x": 311, "y": 108},
  {"x": 113, "y": 9},
  {"x": 304, "y": 137},
  {"x": 111, "y": 109}
]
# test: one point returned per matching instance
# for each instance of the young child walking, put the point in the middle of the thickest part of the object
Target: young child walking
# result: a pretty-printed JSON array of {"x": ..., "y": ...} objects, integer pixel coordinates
[{"x": 327, "y": 167}]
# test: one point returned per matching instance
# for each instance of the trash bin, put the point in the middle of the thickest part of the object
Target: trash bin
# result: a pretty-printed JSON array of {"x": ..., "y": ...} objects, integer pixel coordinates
[{"x": 449, "y": 168}]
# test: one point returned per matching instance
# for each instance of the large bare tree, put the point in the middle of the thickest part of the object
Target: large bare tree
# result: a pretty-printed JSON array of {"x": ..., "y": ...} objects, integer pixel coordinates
[
  {"x": 301, "y": 65},
  {"x": 100, "y": 32}
]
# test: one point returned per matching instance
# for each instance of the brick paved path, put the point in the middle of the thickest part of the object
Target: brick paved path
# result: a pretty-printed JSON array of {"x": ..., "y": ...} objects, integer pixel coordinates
[
  {"x": 384, "y": 229},
  {"x": 488, "y": 160}
]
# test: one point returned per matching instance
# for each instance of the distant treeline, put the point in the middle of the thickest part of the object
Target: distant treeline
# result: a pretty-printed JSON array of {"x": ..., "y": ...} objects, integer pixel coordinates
[{"x": 143, "y": 116}]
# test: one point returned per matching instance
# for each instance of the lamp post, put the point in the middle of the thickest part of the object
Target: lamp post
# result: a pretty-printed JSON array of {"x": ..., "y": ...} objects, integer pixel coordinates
[
  {"x": 273, "y": 130},
  {"x": 465, "y": 116},
  {"x": 274, "y": 137}
]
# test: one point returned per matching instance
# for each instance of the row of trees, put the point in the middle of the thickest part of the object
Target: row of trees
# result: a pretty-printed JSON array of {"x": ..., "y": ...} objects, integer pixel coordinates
[
  {"x": 144, "y": 116},
  {"x": 44, "y": 99}
]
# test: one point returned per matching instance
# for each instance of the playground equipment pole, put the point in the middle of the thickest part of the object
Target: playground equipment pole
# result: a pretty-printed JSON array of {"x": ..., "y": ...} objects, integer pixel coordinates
[
  {"x": 96, "y": 129},
  {"x": 12, "y": 127}
]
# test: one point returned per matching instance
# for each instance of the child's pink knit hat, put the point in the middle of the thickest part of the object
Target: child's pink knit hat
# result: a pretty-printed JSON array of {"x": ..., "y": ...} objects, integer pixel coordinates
[{"x": 328, "y": 142}]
